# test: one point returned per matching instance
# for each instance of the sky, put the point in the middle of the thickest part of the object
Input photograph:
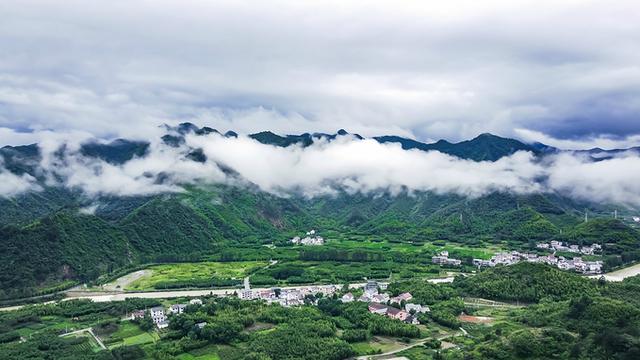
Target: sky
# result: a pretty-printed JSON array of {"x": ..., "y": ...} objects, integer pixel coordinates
[{"x": 564, "y": 73}]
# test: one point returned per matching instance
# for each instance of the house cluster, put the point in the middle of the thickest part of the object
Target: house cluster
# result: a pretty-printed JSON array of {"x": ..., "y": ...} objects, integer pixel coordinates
[
  {"x": 443, "y": 259},
  {"x": 311, "y": 238},
  {"x": 636, "y": 219},
  {"x": 287, "y": 297},
  {"x": 379, "y": 303},
  {"x": 576, "y": 264},
  {"x": 560, "y": 246},
  {"x": 159, "y": 315}
]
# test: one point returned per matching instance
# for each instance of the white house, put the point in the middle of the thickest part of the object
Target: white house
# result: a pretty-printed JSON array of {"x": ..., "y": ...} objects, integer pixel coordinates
[
  {"x": 195, "y": 302},
  {"x": 245, "y": 294},
  {"x": 380, "y": 298},
  {"x": 157, "y": 314},
  {"x": 404, "y": 296},
  {"x": 376, "y": 308},
  {"x": 162, "y": 324},
  {"x": 417, "y": 308},
  {"x": 346, "y": 298},
  {"x": 177, "y": 308}
]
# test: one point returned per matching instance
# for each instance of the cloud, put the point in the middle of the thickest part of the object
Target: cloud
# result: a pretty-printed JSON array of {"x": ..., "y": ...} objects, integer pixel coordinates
[
  {"x": 346, "y": 163},
  {"x": 608, "y": 181},
  {"x": 366, "y": 166},
  {"x": 89, "y": 210},
  {"x": 602, "y": 141},
  {"x": 163, "y": 170},
  {"x": 425, "y": 69},
  {"x": 12, "y": 184}
]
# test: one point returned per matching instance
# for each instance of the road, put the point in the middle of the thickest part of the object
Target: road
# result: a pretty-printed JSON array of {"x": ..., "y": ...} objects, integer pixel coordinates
[
  {"x": 620, "y": 274},
  {"x": 104, "y": 296}
]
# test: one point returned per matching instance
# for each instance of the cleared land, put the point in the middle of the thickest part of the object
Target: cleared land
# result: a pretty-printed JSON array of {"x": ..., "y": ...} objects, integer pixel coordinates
[{"x": 621, "y": 274}]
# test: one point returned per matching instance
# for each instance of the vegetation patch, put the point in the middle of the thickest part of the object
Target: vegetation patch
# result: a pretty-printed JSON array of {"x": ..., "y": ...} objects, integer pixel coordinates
[{"x": 201, "y": 274}]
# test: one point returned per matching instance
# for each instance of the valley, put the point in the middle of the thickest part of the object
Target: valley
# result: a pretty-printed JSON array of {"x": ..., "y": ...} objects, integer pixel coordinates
[{"x": 229, "y": 271}]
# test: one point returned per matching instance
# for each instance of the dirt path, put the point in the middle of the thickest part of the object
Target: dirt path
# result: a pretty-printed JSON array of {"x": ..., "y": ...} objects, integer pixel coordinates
[
  {"x": 122, "y": 282},
  {"x": 479, "y": 302}
]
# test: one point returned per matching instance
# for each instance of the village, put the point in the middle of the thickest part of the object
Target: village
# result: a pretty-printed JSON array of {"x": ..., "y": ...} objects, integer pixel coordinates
[
  {"x": 159, "y": 315},
  {"x": 509, "y": 258},
  {"x": 311, "y": 239},
  {"x": 380, "y": 303}
]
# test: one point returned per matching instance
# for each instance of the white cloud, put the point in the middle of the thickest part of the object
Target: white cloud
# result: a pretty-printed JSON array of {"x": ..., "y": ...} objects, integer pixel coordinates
[
  {"x": 346, "y": 163},
  {"x": 602, "y": 142},
  {"x": 607, "y": 181},
  {"x": 366, "y": 166},
  {"x": 12, "y": 184}
]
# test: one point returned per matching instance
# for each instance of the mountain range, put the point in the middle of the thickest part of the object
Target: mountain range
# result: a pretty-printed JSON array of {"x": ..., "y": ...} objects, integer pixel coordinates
[{"x": 60, "y": 234}]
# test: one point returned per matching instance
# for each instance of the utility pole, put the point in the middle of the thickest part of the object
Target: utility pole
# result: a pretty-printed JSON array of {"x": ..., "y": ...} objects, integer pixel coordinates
[{"x": 615, "y": 214}]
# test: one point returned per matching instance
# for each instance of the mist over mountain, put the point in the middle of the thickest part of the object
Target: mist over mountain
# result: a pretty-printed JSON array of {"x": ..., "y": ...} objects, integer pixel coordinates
[{"x": 317, "y": 164}]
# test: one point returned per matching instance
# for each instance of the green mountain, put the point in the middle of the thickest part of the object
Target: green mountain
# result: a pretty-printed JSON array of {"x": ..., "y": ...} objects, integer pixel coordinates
[
  {"x": 59, "y": 234},
  {"x": 65, "y": 245},
  {"x": 485, "y": 147}
]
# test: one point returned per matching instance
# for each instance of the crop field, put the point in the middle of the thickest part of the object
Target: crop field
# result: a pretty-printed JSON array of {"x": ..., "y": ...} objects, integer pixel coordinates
[
  {"x": 174, "y": 274},
  {"x": 306, "y": 272},
  {"x": 205, "y": 353},
  {"x": 457, "y": 251},
  {"x": 129, "y": 334},
  {"x": 89, "y": 344},
  {"x": 378, "y": 344}
]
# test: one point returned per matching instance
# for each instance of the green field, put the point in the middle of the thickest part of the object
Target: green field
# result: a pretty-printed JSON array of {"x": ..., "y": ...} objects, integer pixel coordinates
[
  {"x": 378, "y": 344},
  {"x": 129, "y": 334},
  {"x": 205, "y": 353},
  {"x": 193, "y": 273},
  {"x": 89, "y": 344},
  {"x": 334, "y": 272}
]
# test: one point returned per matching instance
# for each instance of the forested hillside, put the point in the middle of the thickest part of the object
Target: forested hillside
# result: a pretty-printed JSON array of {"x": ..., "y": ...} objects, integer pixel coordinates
[
  {"x": 66, "y": 242},
  {"x": 55, "y": 233}
]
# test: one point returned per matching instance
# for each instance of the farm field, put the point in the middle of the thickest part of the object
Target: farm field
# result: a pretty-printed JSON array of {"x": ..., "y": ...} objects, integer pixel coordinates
[
  {"x": 378, "y": 344},
  {"x": 194, "y": 274},
  {"x": 129, "y": 334},
  {"x": 205, "y": 353},
  {"x": 334, "y": 272}
]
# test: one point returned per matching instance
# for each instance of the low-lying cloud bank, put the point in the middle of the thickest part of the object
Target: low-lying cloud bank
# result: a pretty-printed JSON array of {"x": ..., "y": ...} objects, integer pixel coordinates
[{"x": 326, "y": 167}]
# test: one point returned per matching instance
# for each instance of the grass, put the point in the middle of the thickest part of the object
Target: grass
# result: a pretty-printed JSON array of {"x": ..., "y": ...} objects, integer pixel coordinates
[
  {"x": 417, "y": 353},
  {"x": 129, "y": 333},
  {"x": 378, "y": 344},
  {"x": 90, "y": 342},
  {"x": 205, "y": 353},
  {"x": 459, "y": 251},
  {"x": 127, "y": 329},
  {"x": 143, "y": 338},
  {"x": 195, "y": 271}
]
